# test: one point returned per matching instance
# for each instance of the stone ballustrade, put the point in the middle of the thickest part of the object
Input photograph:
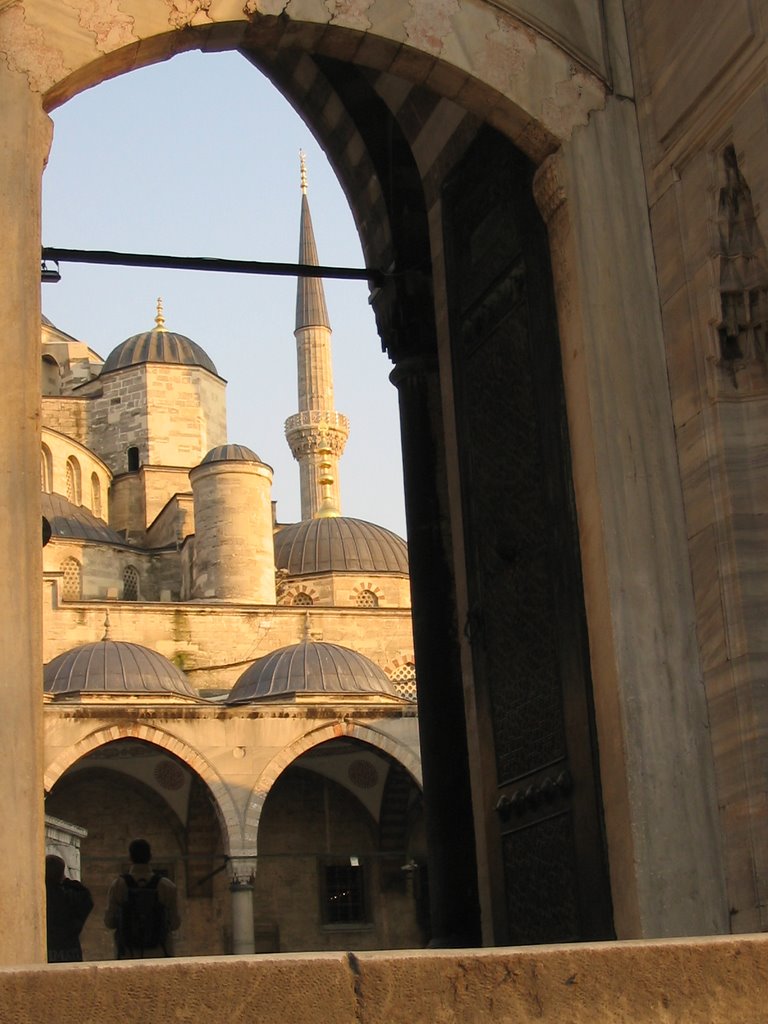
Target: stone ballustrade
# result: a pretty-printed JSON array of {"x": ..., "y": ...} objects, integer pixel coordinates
[
  {"x": 314, "y": 429},
  {"x": 688, "y": 981}
]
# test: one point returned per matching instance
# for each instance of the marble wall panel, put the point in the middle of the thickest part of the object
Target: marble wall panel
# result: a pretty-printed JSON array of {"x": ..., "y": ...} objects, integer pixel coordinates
[{"x": 684, "y": 55}]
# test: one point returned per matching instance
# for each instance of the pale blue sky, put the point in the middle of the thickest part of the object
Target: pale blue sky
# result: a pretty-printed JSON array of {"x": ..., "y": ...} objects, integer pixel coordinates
[{"x": 199, "y": 156}]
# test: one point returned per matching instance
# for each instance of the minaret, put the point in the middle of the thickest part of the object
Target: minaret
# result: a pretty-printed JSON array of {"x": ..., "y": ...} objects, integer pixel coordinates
[{"x": 317, "y": 433}]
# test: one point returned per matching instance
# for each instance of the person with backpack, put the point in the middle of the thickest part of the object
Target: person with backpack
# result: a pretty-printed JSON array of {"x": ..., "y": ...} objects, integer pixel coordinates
[
  {"x": 142, "y": 908},
  {"x": 67, "y": 906}
]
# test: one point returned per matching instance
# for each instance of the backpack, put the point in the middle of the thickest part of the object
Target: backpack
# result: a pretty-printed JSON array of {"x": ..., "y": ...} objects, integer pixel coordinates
[{"x": 142, "y": 922}]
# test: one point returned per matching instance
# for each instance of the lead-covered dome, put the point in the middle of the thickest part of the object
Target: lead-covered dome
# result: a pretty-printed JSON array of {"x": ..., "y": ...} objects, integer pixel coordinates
[
  {"x": 158, "y": 346},
  {"x": 230, "y": 453},
  {"x": 114, "y": 667},
  {"x": 339, "y": 544},
  {"x": 311, "y": 668},
  {"x": 76, "y": 521}
]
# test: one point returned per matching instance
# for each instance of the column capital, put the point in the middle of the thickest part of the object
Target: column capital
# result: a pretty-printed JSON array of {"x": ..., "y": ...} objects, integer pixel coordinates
[
  {"x": 422, "y": 365},
  {"x": 242, "y": 871}
]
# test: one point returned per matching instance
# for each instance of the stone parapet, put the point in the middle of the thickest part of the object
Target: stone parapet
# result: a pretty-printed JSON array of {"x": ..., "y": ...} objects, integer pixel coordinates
[{"x": 695, "y": 981}]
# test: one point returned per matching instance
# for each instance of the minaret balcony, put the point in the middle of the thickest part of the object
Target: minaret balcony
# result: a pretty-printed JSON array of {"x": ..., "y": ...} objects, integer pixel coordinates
[{"x": 317, "y": 419}]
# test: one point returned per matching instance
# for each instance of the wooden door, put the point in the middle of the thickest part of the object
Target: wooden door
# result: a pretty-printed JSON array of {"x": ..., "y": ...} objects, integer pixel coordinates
[{"x": 526, "y": 623}]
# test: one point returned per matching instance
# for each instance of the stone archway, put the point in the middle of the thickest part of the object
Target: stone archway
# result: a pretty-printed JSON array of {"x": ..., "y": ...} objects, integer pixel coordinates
[
  {"x": 338, "y": 853},
  {"x": 398, "y": 751},
  {"x": 226, "y": 812},
  {"x": 502, "y": 69},
  {"x": 131, "y": 787}
]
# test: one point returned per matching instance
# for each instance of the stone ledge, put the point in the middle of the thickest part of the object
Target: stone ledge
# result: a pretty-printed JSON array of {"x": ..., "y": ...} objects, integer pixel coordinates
[{"x": 687, "y": 981}]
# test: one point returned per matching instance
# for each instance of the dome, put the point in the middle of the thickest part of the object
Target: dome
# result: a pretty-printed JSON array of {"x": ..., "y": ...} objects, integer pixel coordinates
[
  {"x": 230, "y": 453},
  {"x": 76, "y": 521},
  {"x": 114, "y": 667},
  {"x": 339, "y": 544},
  {"x": 310, "y": 668},
  {"x": 158, "y": 346}
]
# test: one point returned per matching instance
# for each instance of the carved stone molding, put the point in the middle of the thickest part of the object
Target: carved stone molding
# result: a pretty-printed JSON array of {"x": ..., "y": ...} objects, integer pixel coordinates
[{"x": 548, "y": 187}]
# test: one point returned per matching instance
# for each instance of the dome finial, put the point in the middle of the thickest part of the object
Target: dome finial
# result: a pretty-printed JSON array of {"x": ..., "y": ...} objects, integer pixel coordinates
[
  {"x": 106, "y": 627},
  {"x": 307, "y": 632},
  {"x": 303, "y": 162},
  {"x": 159, "y": 319}
]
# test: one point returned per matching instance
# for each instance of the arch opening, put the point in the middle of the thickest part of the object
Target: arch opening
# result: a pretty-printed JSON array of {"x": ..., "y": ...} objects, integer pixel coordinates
[
  {"x": 396, "y": 190},
  {"x": 342, "y": 831},
  {"x": 128, "y": 789}
]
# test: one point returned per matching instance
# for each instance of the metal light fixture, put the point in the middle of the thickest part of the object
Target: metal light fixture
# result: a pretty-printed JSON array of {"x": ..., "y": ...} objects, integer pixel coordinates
[{"x": 49, "y": 274}]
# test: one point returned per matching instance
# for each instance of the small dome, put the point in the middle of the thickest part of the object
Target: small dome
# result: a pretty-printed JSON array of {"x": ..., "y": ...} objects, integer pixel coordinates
[
  {"x": 76, "y": 522},
  {"x": 158, "y": 346},
  {"x": 339, "y": 544},
  {"x": 114, "y": 667},
  {"x": 310, "y": 668},
  {"x": 230, "y": 453}
]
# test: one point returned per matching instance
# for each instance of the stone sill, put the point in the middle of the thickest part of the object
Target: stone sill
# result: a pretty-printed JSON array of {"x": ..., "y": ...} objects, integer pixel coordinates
[{"x": 687, "y": 981}]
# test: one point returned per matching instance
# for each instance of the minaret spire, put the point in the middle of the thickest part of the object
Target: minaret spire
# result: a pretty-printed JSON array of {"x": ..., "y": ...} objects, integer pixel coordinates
[{"x": 316, "y": 434}]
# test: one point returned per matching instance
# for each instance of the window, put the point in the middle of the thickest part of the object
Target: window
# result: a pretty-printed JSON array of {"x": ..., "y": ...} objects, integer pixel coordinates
[
  {"x": 367, "y": 599},
  {"x": 344, "y": 893},
  {"x": 46, "y": 469},
  {"x": 95, "y": 495},
  {"x": 74, "y": 493},
  {"x": 404, "y": 678},
  {"x": 133, "y": 460},
  {"x": 302, "y": 599},
  {"x": 130, "y": 584},
  {"x": 72, "y": 585}
]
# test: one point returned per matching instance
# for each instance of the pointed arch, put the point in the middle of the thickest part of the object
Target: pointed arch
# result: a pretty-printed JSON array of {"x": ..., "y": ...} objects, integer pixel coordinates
[
  {"x": 96, "y": 495},
  {"x": 73, "y": 481},
  {"x": 46, "y": 469},
  {"x": 350, "y": 730},
  {"x": 227, "y": 813}
]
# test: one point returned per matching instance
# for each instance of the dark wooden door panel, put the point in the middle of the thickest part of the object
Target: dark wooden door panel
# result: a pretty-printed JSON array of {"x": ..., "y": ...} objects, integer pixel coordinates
[{"x": 526, "y": 617}]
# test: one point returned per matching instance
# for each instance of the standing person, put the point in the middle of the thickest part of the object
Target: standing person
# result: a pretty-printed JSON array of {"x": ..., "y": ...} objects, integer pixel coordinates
[
  {"x": 142, "y": 908},
  {"x": 67, "y": 906}
]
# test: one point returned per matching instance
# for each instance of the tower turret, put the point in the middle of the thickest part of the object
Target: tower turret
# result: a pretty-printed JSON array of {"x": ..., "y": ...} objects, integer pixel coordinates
[
  {"x": 234, "y": 550},
  {"x": 316, "y": 434}
]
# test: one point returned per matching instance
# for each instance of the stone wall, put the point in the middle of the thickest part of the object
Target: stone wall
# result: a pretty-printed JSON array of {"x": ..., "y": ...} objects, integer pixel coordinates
[
  {"x": 215, "y": 644},
  {"x": 707, "y": 168},
  {"x": 187, "y": 414},
  {"x": 68, "y": 415}
]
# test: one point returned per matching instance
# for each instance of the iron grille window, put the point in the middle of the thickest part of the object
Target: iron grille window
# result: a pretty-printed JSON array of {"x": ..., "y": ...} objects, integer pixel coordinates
[
  {"x": 344, "y": 895},
  {"x": 404, "y": 678},
  {"x": 130, "y": 584},
  {"x": 72, "y": 584}
]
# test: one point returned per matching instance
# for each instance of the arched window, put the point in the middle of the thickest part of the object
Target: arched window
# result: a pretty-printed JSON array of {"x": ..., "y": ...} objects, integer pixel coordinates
[
  {"x": 46, "y": 469},
  {"x": 96, "y": 495},
  {"x": 72, "y": 584},
  {"x": 130, "y": 584},
  {"x": 302, "y": 599},
  {"x": 133, "y": 459},
  {"x": 74, "y": 492},
  {"x": 367, "y": 599},
  {"x": 404, "y": 678}
]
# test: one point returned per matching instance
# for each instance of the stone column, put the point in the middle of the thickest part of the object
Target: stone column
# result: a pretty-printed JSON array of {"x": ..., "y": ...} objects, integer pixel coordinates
[
  {"x": 241, "y": 872},
  {"x": 656, "y": 761},
  {"x": 451, "y": 858},
  {"x": 25, "y": 135}
]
